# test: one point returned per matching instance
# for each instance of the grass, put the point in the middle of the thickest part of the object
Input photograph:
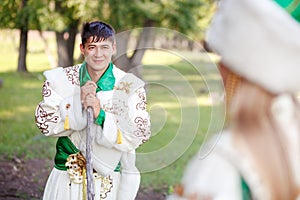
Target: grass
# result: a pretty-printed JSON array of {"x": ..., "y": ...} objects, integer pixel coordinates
[
  {"x": 182, "y": 112},
  {"x": 181, "y": 117},
  {"x": 19, "y": 135}
]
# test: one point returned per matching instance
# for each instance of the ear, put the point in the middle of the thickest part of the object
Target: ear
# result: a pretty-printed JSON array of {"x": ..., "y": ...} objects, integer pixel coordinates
[
  {"x": 114, "y": 48},
  {"x": 81, "y": 49}
]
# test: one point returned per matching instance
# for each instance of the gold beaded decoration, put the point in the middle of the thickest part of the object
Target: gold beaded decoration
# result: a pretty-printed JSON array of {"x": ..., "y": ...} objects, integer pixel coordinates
[{"x": 232, "y": 83}]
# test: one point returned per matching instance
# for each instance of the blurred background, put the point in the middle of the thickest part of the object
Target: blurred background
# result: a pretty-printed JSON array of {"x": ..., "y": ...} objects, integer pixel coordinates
[{"x": 183, "y": 84}]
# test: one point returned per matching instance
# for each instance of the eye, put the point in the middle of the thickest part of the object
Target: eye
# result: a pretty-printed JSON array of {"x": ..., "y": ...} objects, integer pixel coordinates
[{"x": 91, "y": 47}]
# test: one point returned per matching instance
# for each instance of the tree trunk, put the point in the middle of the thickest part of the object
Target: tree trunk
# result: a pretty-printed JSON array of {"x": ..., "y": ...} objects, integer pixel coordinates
[
  {"x": 22, "y": 67},
  {"x": 121, "y": 59},
  {"x": 51, "y": 58},
  {"x": 133, "y": 64},
  {"x": 65, "y": 46},
  {"x": 73, "y": 30},
  {"x": 65, "y": 40},
  {"x": 144, "y": 42}
]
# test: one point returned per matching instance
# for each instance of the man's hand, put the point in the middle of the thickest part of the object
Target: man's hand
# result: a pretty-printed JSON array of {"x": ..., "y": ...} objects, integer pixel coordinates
[
  {"x": 88, "y": 97},
  {"x": 92, "y": 101},
  {"x": 88, "y": 88}
]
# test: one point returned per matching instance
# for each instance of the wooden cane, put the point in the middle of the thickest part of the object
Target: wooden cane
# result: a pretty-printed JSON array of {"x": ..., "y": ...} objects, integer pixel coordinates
[{"x": 89, "y": 168}]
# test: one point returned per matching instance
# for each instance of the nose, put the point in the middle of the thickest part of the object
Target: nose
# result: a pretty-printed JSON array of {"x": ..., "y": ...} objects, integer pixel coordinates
[{"x": 98, "y": 52}]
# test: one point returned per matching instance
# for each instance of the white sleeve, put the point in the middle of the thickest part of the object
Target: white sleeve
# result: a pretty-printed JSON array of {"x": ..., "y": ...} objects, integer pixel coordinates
[
  {"x": 213, "y": 177},
  {"x": 134, "y": 124},
  {"x": 127, "y": 114},
  {"x": 51, "y": 113}
]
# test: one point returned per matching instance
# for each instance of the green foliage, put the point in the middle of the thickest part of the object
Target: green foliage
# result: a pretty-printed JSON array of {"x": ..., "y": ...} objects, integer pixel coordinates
[
  {"x": 8, "y": 13},
  {"x": 13, "y": 14},
  {"x": 183, "y": 16},
  {"x": 123, "y": 15},
  {"x": 45, "y": 14},
  {"x": 190, "y": 17}
]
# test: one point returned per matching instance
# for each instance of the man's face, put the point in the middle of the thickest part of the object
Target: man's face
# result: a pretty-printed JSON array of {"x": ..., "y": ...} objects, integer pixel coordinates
[{"x": 97, "y": 54}]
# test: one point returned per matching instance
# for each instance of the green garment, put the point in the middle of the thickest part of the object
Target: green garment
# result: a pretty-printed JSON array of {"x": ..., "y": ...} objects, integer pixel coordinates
[
  {"x": 105, "y": 83},
  {"x": 64, "y": 146},
  {"x": 292, "y": 7},
  {"x": 245, "y": 190}
]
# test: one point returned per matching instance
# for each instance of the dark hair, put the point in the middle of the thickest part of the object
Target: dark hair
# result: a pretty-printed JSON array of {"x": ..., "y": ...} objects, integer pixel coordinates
[{"x": 99, "y": 31}]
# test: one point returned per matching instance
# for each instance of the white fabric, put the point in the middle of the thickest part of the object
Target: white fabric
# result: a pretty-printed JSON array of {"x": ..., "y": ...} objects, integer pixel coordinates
[
  {"x": 130, "y": 177},
  {"x": 61, "y": 89},
  {"x": 218, "y": 175},
  {"x": 59, "y": 187},
  {"x": 126, "y": 106},
  {"x": 225, "y": 188},
  {"x": 283, "y": 109},
  {"x": 77, "y": 118},
  {"x": 258, "y": 40}
]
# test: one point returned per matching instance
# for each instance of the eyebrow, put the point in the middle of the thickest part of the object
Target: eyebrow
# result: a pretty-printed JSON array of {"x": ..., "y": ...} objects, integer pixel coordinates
[{"x": 102, "y": 45}]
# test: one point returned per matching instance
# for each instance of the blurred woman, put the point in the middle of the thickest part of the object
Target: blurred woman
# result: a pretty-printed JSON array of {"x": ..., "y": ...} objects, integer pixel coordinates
[{"x": 257, "y": 156}]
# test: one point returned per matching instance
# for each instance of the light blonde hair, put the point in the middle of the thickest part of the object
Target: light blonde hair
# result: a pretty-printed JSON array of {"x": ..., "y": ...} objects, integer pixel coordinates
[{"x": 254, "y": 126}]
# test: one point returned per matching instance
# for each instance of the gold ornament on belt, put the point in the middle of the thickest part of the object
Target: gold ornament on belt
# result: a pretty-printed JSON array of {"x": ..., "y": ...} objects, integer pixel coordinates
[{"x": 76, "y": 168}]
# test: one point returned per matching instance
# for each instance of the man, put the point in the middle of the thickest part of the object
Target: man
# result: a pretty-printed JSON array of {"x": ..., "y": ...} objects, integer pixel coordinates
[{"x": 121, "y": 121}]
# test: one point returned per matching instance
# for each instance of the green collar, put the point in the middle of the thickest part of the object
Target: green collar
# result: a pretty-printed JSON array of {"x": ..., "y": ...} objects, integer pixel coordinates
[
  {"x": 292, "y": 7},
  {"x": 106, "y": 82}
]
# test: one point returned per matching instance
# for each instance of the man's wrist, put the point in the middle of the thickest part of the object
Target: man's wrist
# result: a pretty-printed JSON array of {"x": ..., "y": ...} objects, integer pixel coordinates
[
  {"x": 100, "y": 118},
  {"x": 96, "y": 113}
]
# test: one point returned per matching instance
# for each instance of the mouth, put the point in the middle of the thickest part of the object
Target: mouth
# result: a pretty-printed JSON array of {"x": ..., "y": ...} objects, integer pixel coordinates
[{"x": 98, "y": 61}]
